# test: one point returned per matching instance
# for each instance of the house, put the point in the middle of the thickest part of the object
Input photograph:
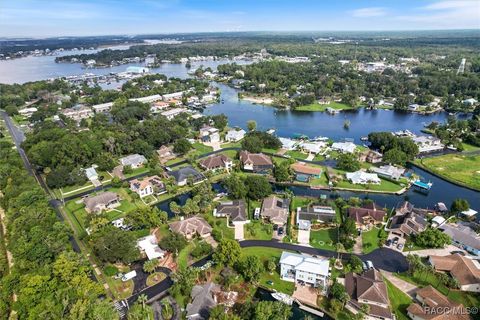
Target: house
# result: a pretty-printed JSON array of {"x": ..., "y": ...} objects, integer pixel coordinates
[
  {"x": 407, "y": 222},
  {"x": 147, "y": 99},
  {"x": 314, "y": 147},
  {"x": 437, "y": 221},
  {"x": 275, "y": 210},
  {"x": 174, "y": 95},
  {"x": 366, "y": 216},
  {"x": 389, "y": 171},
  {"x": 149, "y": 246},
  {"x": 158, "y": 106},
  {"x": 27, "y": 112},
  {"x": 170, "y": 114},
  {"x": 255, "y": 162},
  {"x": 344, "y": 147},
  {"x": 183, "y": 174},
  {"x": 331, "y": 110},
  {"x": 463, "y": 237},
  {"x": 191, "y": 227},
  {"x": 91, "y": 174},
  {"x": 304, "y": 172},
  {"x": 332, "y": 176},
  {"x": 428, "y": 299},
  {"x": 148, "y": 186},
  {"x": 216, "y": 162},
  {"x": 203, "y": 299},
  {"x": 428, "y": 144},
  {"x": 235, "y": 210},
  {"x": 464, "y": 269},
  {"x": 413, "y": 107},
  {"x": 103, "y": 107},
  {"x": 315, "y": 213},
  {"x": 362, "y": 177},
  {"x": 469, "y": 214},
  {"x": 469, "y": 102},
  {"x": 133, "y": 160},
  {"x": 288, "y": 144},
  {"x": 303, "y": 269},
  {"x": 78, "y": 113},
  {"x": 235, "y": 135},
  {"x": 370, "y": 156},
  {"x": 165, "y": 153},
  {"x": 102, "y": 201},
  {"x": 368, "y": 288},
  {"x": 209, "y": 134}
]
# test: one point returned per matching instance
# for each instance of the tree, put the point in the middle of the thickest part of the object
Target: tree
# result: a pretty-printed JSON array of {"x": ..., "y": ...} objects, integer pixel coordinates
[
  {"x": 337, "y": 291},
  {"x": 348, "y": 162},
  {"x": 432, "y": 238},
  {"x": 270, "y": 265},
  {"x": 227, "y": 253},
  {"x": 282, "y": 172},
  {"x": 183, "y": 281},
  {"x": 182, "y": 146},
  {"x": 395, "y": 156},
  {"x": 251, "y": 267},
  {"x": 258, "y": 187},
  {"x": 150, "y": 265},
  {"x": 252, "y": 144},
  {"x": 114, "y": 245},
  {"x": 267, "y": 310},
  {"x": 144, "y": 218},
  {"x": 356, "y": 264},
  {"x": 414, "y": 262},
  {"x": 140, "y": 310},
  {"x": 173, "y": 242},
  {"x": 235, "y": 186},
  {"x": 251, "y": 125},
  {"x": 459, "y": 205}
]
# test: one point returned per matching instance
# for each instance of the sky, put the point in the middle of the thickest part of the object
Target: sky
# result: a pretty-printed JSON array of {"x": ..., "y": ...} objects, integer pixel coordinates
[{"x": 46, "y": 18}]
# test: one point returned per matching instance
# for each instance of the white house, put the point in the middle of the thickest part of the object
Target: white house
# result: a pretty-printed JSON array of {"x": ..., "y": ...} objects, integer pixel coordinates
[
  {"x": 469, "y": 102},
  {"x": 288, "y": 144},
  {"x": 149, "y": 245},
  {"x": 27, "y": 112},
  {"x": 170, "y": 114},
  {"x": 102, "y": 107},
  {"x": 389, "y": 171},
  {"x": 133, "y": 160},
  {"x": 209, "y": 134},
  {"x": 91, "y": 174},
  {"x": 344, "y": 147},
  {"x": 142, "y": 187},
  {"x": 304, "y": 269},
  {"x": 314, "y": 147},
  {"x": 428, "y": 143},
  {"x": 362, "y": 177},
  {"x": 235, "y": 135}
]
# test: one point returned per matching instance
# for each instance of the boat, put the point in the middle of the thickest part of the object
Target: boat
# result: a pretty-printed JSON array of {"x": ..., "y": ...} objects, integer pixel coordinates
[
  {"x": 423, "y": 185},
  {"x": 364, "y": 138},
  {"x": 283, "y": 297}
]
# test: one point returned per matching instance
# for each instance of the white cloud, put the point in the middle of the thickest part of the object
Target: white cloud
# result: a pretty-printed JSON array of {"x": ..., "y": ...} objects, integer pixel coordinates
[
  {"x": 451, "y": 5},
  {"x": 369, "y": 12}
]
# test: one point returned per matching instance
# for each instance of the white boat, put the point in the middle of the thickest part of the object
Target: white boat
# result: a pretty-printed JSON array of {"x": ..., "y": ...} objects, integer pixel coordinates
[{"x": 283, "y": 297}]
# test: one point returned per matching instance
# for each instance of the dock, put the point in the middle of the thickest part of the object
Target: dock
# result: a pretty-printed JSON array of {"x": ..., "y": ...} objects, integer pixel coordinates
[
  {"x": 422, "y": 185},
  {"x": 309, "y": 309}
]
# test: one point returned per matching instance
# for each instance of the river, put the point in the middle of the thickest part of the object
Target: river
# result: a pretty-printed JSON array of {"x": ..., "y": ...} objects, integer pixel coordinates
[{"x": 287, "y": 123}]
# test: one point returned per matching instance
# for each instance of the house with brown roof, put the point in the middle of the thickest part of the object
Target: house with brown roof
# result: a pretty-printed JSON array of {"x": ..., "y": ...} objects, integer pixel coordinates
[
  {"x": 275, "y": 210},
  {"x": 165, "y": 153},
  {"x": 367, "y": 215},
  {"x": 148, "y": 186},
  {"x": 370, "y": 156},
  {"x": 304, "y": 172},
  {"x": 429, "y": 299},
  {"x": 255, "y": 162},
  {"x": 191, "y": 227},
  {"x": 464, "y": 269},
  {"x": 368, "y": 288},
  {"x": 234, "y": 210},
  {"x": 217, "y": 162},
  {"x": 102, "y": 201},
  {"x": 406, "y": 221}
]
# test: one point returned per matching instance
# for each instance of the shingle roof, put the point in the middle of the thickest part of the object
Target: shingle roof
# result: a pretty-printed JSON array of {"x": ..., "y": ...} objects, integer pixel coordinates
[
  {"x": 276, "y": 209},
  {"x": 183, "y": 174},
  {"x": 215, "y": 161},
  {"x": 191, "y": 225},
  {"x": 203, "y": 300},
  {"x": 461, "y": 268},
  {"x": 358, "y": 213},
  {"x": 100, "y": 199},
  {"x": 257, "y": 159},
  {"x": 235, "y": 209},
  {"x": 133, "y": 159},
  {"x": 306, "y": 169}
]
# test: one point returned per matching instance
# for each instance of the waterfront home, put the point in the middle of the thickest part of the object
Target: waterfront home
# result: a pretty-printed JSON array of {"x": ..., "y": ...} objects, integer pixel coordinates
[
  {"x": 469, "y": 102},
  {"x": 462, "y": 237},
  {"x": 170, "y": 114},
  {"x": 362, "y": 177},
  {"x": 159, "y": 106},
  {"x": 134, "y": 161},
  {"x": 366, "y": 216},
  {"x": 165, "y": 153},
  {"x": 428, "y": 298},
  {"x": 331, "y": 110},
  {"x": 182, "y": 175},
  {"x": 275, "y": 210},
  {"x": 314, "y": 147},
  {"x": 332, "y": 176},
  {"x": 91, "y": 173},
  {"x": 148, "y": 186},
  {"x": 388, "y": 171},
  {"x": 428, "y": 143},
  {"x": 209, "y": 134},
  {"x": 370, "y": 289},
  {"x": 344, "y": 147},
  {"x": 235, "y": 135},
  {"x": 255, "y": 162},
  {"x": 27, "y": 112},
  {"x": 304, "y": 172},
  {"x": 191, "y": 227},
  {"x": 216, "y": 162},
  {"x": 407, "y": 222},
  {"x": 302, "y": 269},
  {"x": 370, "y": 156},
  {"x": 102, "y": 201},
  {"x": 469, "y": 214},
  {"x": 315, "y": 213},
  {"x": 149, "y": 246},
  {"x": 437, "y": 221},
  {"x": 235, "y": 210},
  {"x": 103, "y": 107},
  {"x": 464, "y": 269},
  {"x": 203, "y": 299},
  {"x": 174, "y": 95},
  {"x": 413, "y": 107},
  {"x": 288, "y": 144},
  {"x": 78, "y": 113}
]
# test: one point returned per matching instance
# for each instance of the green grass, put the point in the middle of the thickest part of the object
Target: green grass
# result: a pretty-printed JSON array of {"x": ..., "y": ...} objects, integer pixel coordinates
[
  {"x": 323, "y": 239},
  {"x": 257, "y": 230},
  {"x": 231, "y": 145},
  {"x": 230, "y": 153},
  {"x": 322, "y": 107},
  {"x": 297, "y": 154},
  {"x": 399, "y": 301},
  {"x": 370, "y": 240},
  {"x": 300, "y": 202},
  {"x": 200, "y": 148},
  {"x": 322, "y": 181},
  {"x": 468, "y": 147},
  {"x": 137, "y": 171},
  {"x": 221, "y": 225},
  {"x": 120, "y": 289},
  {"x": 385, "y": 185},
  {"x": 464, "y": 169},
  {"x": 183, "y": 255},
  {"x": 266, "y": 150},
  {"x": 265, "y": 254}
]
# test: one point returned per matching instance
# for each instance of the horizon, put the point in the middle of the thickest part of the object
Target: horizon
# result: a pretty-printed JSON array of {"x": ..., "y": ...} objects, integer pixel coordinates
[{"x": 52, "y": 19}]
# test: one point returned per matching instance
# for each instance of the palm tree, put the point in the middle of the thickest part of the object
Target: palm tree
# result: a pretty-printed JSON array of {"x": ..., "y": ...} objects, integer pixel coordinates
[
  {"x": 150, "y": 266},
  {"x": 142, "y": 299}
]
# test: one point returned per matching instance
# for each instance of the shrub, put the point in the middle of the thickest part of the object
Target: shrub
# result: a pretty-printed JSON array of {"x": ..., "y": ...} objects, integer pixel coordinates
[{"x": 110, "y": 270}]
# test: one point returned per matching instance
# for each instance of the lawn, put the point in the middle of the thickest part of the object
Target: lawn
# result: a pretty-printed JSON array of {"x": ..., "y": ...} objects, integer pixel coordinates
[
  {"x": 322, "y": 107},
  {"x": 300, "y": 202},
  {"x": 184, "y": 254},
  {"x": 265, "y": 254},
  {"x": 258, "y": 230},
  {"x": 370, "y": 240},
  {"x": 221, "y": 225},
  {"x": 231, "y": 145},
  {"x": 399, "y": 301},
  {"x": 468, "y": 147},
  {"x": 200, "y": 148},
  {"x": 297, "y": 154},
  {"x": 463, "y": 169},
  {"x": 120, "y": 289},
  {"x": 230, "y": 153},
  {"x": 323, "y": 239},
  {"x": 322, "y": 181},
  {"x": 155, "y": 278},
  {"x": 385, "y": 185},
  {"x": 137, "y": 171}
]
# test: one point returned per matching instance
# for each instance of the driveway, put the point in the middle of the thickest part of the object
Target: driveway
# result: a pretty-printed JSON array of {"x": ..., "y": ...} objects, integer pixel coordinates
[
  {"x": 401, "y": 240},
  {"x": 435, "y": 252},
  {"x": 303, "y": 237},
  {"x": 239, "y": 235},
  {"x": 402, "y": 285}
]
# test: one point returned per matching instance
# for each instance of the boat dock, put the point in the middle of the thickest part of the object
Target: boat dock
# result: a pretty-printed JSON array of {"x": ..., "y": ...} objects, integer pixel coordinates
[
  {"x": 422, "y": 185},
  {"x": 309, "y": 309}
]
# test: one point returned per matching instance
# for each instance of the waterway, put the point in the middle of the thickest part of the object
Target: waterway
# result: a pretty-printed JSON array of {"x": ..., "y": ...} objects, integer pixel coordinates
[{"x": 287, "y": 123}]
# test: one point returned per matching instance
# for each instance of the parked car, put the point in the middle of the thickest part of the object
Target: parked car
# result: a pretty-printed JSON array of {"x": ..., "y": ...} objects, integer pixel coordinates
[
  {"x": 395, "y": 240},
  {"x": 364, "y": 266},
  {"x": 280, "y": 231},
  {"x": 129, "y": 275},
  {"x": 275, "y": 227},
  {"x": 458, "y": 252},
  {"x": 400, "y": 246},
  {"x": 369, "y": 264},
  {"x": 388, "y": 243}
]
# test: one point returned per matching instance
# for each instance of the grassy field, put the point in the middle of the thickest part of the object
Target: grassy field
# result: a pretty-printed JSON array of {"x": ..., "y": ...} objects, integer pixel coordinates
[
  {"x": 399, "y": 301},
  {"x": 323, "y": 239},
  {"x": 257, "y": 230},
  {"x": 120, "y": 289},
  {"x": 200, "y": 148},
  {"x": 468, "y": 147},
  {"x": 464, "y": 169},
  {"x": 322, "y": 107},
  {"x": 370, "y": 240},
  {"x": 297, "y": 154},
  {"x": 265, "y": 254}
]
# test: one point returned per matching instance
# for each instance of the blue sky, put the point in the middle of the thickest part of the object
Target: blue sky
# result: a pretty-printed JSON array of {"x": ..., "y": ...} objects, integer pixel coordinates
[{"x": 42, "y": 18}]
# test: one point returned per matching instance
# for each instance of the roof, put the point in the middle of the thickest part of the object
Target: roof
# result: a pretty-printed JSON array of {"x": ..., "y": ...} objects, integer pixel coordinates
[
  {"x": 165, "y": 151},
  {"x": 185, "y": 172},
  {"x": 358, "y": 214},
  {"x": 103, "y": 198},
  {"x": 191, "y": 225},
  {"x": 469, "y": 213},
  {"x": 344, "y": 146},
  {"x": 438, "y": 220},
  {"x": 203, "y": 300},
  {"x": 306, "y": 263},
  {"x": 235, "y": 209},
  {"x": 237, "y": 134},
  {"x": 287, "y": 143},
  {"x": 462, "y": 234},
  {"x": 150, "y": 246},
  {"x": 362, "y": 177},
  {"x": 316, "y": 212},
  {"x": 389, "y": 170},
  {"x": 300, "y": 167},
  {"x": 91, "y": 172},
  {"x": 409, "y": 223},
  {"x": 257, "y": 159},
  {"x": 133, "y": 159},
  {"x": 465, "y": 270},
  {"x": 215, "y": 161},
  {"x": 276, "y": 209}
]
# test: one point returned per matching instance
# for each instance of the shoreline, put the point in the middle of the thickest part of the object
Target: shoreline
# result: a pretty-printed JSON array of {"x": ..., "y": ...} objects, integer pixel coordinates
[{"x": 258, "y": 100}]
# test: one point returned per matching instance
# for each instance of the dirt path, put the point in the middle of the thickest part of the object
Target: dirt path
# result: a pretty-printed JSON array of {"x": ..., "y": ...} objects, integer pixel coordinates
[{"x": 358, "y": 246}]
